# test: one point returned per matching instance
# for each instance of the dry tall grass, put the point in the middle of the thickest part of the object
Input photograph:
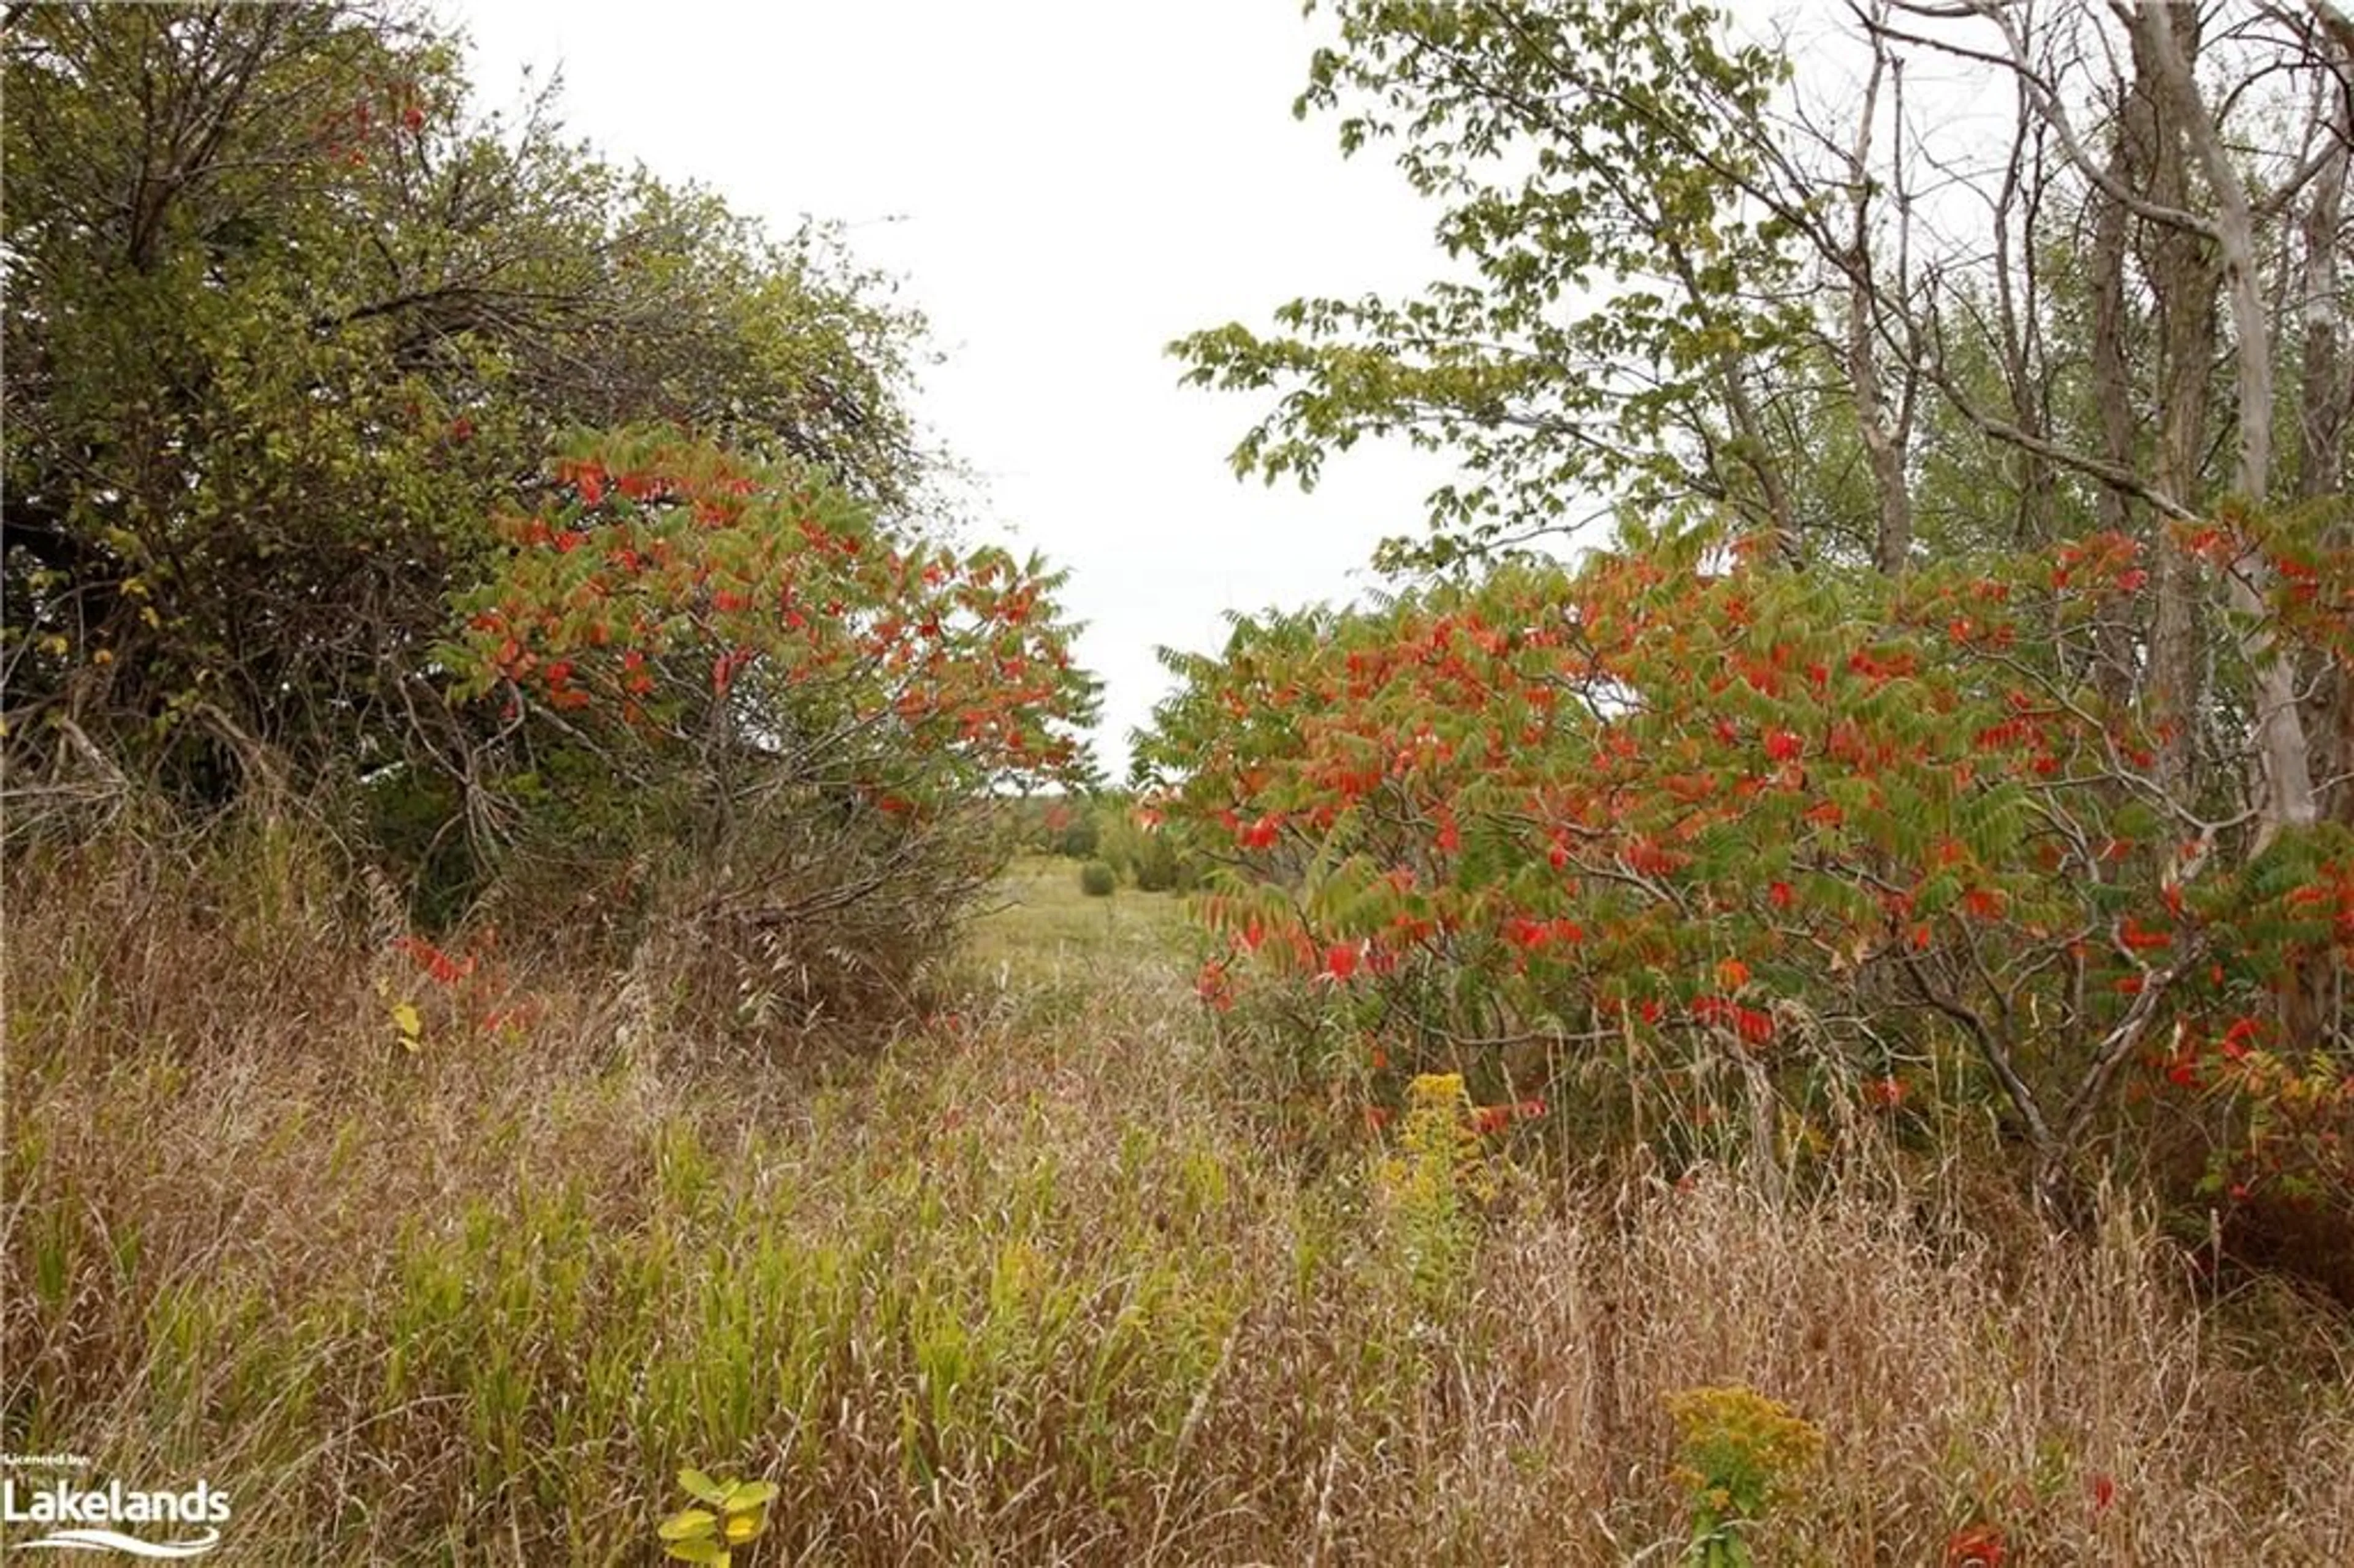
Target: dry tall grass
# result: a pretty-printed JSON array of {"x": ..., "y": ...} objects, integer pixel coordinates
[{"x": 1037, "y": 1286}]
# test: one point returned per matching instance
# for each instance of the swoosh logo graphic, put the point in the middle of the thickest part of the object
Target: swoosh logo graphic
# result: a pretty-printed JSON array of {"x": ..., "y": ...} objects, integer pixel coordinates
[{"x": 94, "y": 1539}]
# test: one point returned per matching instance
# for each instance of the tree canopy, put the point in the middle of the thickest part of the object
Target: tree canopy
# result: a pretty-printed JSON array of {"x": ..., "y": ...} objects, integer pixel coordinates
[{"x": 288, "y": 322}]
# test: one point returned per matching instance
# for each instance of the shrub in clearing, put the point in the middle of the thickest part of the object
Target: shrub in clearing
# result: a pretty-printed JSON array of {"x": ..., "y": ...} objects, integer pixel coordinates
[
  {"x": 1098, "y": 880},
  {"x": 1079, "y": 840},
  {"x": 1703, "y": 828},
  {"x": 1156, "y": 866},
  {"x": 752, "y": 724}
]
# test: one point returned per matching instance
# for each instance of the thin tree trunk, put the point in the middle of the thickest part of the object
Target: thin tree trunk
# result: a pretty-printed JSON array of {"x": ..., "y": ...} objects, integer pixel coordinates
[
  {"x": 2325, "y": 392},
  {"x": 2283, "y": 749},
  {"x": 1883, "y": 445},
  {"x": 2182, "y": 280},
  {"x": 2112, "y": 396},
  {"x": 2016, "y": 315}
]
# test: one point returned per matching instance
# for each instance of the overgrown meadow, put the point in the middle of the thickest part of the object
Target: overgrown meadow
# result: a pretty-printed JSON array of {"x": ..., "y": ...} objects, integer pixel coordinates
[{"x": 1067, "y": 1274}]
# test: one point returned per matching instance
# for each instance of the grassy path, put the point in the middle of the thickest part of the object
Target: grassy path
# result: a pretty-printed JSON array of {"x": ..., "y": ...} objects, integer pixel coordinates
[{"x": 1041, "y": 930}]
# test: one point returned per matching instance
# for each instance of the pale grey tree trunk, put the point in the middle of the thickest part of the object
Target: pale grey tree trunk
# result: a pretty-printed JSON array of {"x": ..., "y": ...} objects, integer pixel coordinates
[
  {"x": 2165, "y": 38},
  {"x": 2326, "y": 389},
  {"x": 1884, "y": 439},
  {"x": 2182, "y": 280}
]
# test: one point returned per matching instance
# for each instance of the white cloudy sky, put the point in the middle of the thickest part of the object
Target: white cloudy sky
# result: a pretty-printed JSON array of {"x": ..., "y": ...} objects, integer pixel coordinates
[{"x": 1065, "y": 186}]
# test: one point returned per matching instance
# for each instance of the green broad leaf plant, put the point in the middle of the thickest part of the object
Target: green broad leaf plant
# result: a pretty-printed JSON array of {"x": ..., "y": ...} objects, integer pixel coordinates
[{"x": 727, "y": 1514}]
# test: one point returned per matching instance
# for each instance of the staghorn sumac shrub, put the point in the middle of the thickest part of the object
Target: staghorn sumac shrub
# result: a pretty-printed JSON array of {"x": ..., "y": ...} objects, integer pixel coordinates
[
  {"x": 744, "y": 719},
  {"x": 1738, "y": 852}
]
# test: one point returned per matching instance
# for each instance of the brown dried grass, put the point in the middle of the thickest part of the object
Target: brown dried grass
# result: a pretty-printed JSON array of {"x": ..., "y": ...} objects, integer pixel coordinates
[{"x": 1037, "y": 1284}]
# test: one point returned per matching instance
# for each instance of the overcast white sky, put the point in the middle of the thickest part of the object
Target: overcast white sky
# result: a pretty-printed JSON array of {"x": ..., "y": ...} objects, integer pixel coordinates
[{"x": 1065, "y": 186}]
